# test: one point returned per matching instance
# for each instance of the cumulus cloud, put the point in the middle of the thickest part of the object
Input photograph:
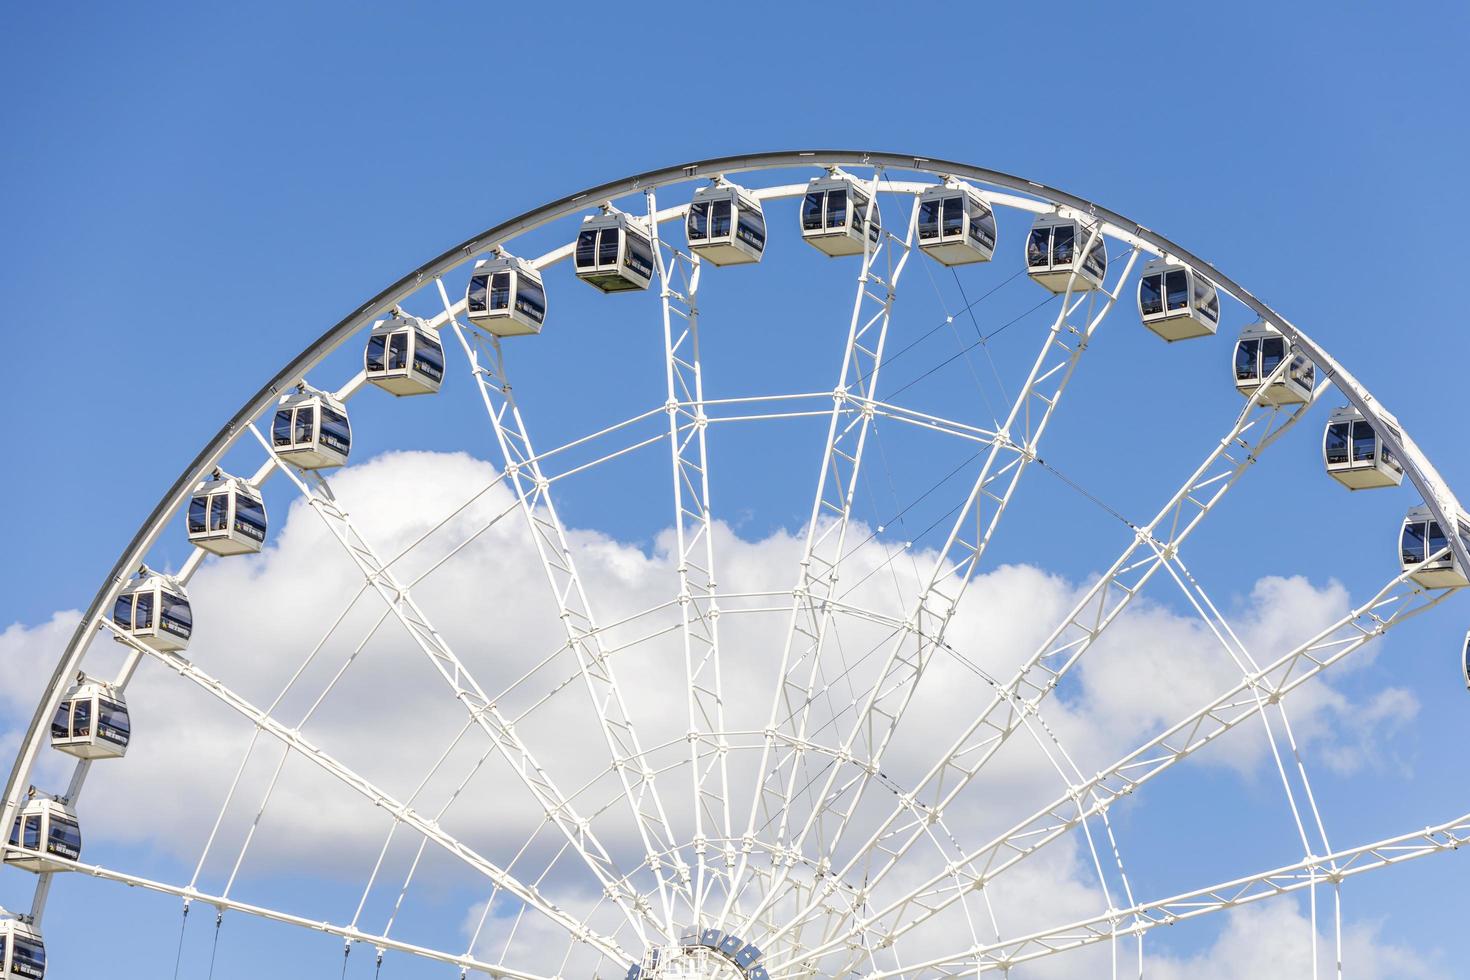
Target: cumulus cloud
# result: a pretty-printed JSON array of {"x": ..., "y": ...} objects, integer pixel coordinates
[{"x": 388, "y": 715}]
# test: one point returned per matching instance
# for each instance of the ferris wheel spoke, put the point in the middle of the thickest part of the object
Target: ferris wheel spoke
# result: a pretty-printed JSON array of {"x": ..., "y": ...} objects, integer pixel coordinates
[
  {"x": 826, "y": 533},
  {"x": 294, "y": 740},
  {"x": 1398, "y": 601},
  {"x": 1255, "y": 428},
  {"x": 484, "y": 712},
  {"x": 1334, "y": 867},
  {"x": 678, "y": 276},
  {"x": 1006, "y": 460},
  {"x": 347, "y": 933},
  {"x": 549, "y": 538}
]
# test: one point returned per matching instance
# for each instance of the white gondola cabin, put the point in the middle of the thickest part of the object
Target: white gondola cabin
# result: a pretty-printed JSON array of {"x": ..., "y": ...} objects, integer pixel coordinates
[
  {"x": 506, "y": 297},
  {"x": 1354, "y": 454},
  {"x": 834, "y": 216},
  {"x": 1423, "y": 543},
  {"x": 92, "y": 722},
  {"x": 22, "y": 951},
  {"x": 956, "y": 226},
  {"x": 1054, "y": 254},
  {"x": 311, "y": 430},
  {"x": 404, "y": 356},
  {"x": 1258, "y": 352},
  {"x": 614, "y": 253},
  {"x": 154, "y": 610},
  {"x": 1176, "y": 302},
  {"x": 44, "y": 831},
  {"x": 226, "y": 516},
  {"x": 726, "y": 225}
]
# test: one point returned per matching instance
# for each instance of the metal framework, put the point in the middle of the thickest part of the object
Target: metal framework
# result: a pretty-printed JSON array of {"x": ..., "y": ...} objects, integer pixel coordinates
[{"x": 796, "y": 844}]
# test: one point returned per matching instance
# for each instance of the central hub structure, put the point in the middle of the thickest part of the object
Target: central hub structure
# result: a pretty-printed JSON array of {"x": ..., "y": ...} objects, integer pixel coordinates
[{"x": 708, "y": 954}]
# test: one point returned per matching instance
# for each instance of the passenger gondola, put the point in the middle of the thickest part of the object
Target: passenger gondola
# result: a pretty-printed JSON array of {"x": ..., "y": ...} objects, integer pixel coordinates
[
  {"x": 726, "y": 225},
  {"x": 506, "y": 297},
  {"x": 92, "y": 722},
  {"x": 956, "y": 226},
  {"x": 154, "y": 610},
  {"x": 1424, "y": 544},
  {"x": 226, "y": 516},
  {"x": 1258, "y": 352},
  {"x": 1054, "y": 254},
  {"x": 45, "y": 832},
  {"x": 614, "y": 252},
  {"x": 311, "y": 430},
  {"x": 1176, "y": 302},
  {"x": 22, "y": 952},
  {"x": 834, "y": 216},
  {"x": 404, "y": 356},
  {"x": 1354, "y": 454}
]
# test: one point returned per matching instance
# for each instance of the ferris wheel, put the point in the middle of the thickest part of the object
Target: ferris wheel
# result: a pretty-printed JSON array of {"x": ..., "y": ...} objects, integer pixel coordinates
[{"x": 704, "y": 758}]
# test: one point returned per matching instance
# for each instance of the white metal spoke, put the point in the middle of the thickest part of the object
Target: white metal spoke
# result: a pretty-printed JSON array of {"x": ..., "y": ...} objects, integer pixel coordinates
[
  {"x": 1398, "y": 601},
  {"x": 549, "y": 537},
  {"x": 316, "y": 925},
  {"x": 485, "y": 712},
  {"x": 401, "y": 812},
  {"x": 1335, "y": 868},
  {"x": 699, "y": 612},
  {"x": 1015, "y": 446},
  {"x": 826, "y": 533}
]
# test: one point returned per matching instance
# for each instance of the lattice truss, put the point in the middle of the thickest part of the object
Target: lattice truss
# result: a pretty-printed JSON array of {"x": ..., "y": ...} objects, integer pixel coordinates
[{"x": 813, "y": 760}]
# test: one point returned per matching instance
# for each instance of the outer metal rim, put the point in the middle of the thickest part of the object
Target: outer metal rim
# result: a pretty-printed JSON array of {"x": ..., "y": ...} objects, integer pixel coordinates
[{"x": 1421, "y": 472}]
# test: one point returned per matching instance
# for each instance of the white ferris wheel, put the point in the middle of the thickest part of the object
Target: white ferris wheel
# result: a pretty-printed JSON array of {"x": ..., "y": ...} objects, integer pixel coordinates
[{"x": 709, "y": 766}]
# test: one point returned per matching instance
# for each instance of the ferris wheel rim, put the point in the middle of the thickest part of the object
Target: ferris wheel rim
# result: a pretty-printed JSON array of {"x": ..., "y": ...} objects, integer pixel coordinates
[{"x": 1435, "y": 492}]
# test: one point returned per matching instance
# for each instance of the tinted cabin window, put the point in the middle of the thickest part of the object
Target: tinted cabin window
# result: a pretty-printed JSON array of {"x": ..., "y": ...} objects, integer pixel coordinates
[
  {"x": 1097, "y": 258},
  {"x": 1176, "y": 286},
  {"x": 250, "y": 516},
  {"x": 197, "y": 508},
  {"x": 143, "y": 610},
  {"x": 1151, "y": 295},
  {"x": 586, "y": 249},
  {"x": 428, "y": 356},
  {"x": 177, "y": 611},
  {"x": 113, "y": 722},
  {"x": 1412, "y": 544},
  {"x": 639, "y": 257},
  {"x": 1335, "y": 444},
  {"x": 607, "y": 247},
  {"x": 530, "y": 298},
  {"x": 697, "y": 227},
  {"x": 719, "y": 219},
  {"x": 219, "y": 512},
  {"x": 31, "y": 833},
  {"x": 122, "y": 611},
  {"x": 954, "y": 216},
  {"x": 60, "y": 728},
  {"x": 1062, "y": 240},
  {"x": 335, "y": 431},
  {"x": 1365, "y": 441},
  {"x": 836, "y": 209},
  {"x": 376, "y": 345},
  {"x": 478, "y": 284},
  {"x": 500, "y": 291},
  {"x": 1437, "y": 541},
  {"x": 65, "y": 839},
  {"x": 81, "y": 718},
  {"x": 1273, "y": 351},
  {"x": 28, "y": 958},
  {"x": 811, "y": 212},
  {"x": 1245, "y": 359},
  {"x": 751, "y": 227},
  {"x": 982, "y": 227},
  {"x": 929, "y": 219},
  {"x": 398, "y": 351},
  {"x": 281, "y": 428},
  {"x": 1038, "y": 247},
  {"x": 305, "y": 424}
]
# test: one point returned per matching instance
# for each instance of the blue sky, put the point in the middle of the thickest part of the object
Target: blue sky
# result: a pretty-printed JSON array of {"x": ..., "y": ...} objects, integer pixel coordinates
[{"x": 193, "y": 193}]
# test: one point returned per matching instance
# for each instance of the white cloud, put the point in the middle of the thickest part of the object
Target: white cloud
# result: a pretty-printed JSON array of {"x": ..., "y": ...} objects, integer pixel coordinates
[{"x": 389, "y": 717}]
